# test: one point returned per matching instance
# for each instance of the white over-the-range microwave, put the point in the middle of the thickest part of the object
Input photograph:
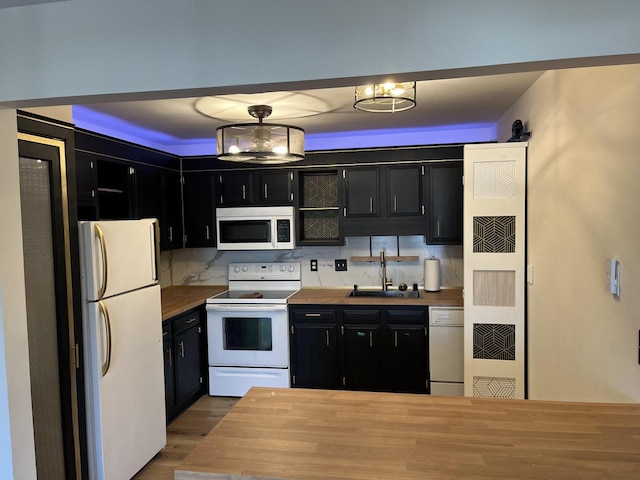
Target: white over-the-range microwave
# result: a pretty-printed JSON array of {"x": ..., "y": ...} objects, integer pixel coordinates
[{"x": 255, "y": 228}]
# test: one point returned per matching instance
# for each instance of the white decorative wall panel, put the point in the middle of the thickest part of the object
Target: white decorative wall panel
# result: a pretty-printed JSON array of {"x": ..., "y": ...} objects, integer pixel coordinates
[
  {"x": 494, "y": 180},
  {"x": 494, "y": 387}
]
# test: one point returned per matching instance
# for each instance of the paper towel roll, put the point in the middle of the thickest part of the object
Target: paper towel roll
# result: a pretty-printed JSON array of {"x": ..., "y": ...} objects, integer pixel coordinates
[{"x": 432, "y": 274}]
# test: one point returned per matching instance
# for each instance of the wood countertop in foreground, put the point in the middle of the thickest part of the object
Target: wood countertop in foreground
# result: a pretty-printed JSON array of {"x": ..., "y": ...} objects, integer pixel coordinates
[
  {"x": 177, "y": 300},
  {"x": 320, "y": 434},
  {"x": 338, "y": 296}
]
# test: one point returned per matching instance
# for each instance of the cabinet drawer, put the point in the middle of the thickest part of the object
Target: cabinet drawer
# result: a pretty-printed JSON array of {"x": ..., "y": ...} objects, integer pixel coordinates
[
  {"x": 413, "y": 316},
  {"x": 315, "y": 315},
  {"x": 186, "y": 321},
  {"x": 361, "y": 316}
]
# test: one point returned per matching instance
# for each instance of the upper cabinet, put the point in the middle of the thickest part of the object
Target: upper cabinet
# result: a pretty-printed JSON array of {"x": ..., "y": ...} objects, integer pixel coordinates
[
  {"x": 319, "y": 214},
  {"x": 171, "y": 219},
  {"x": 444, "y": 186},
  {"x": 257, "y": 187},
  {"x": 392, "y": 195},
  {"x": 199, "y": 210}
]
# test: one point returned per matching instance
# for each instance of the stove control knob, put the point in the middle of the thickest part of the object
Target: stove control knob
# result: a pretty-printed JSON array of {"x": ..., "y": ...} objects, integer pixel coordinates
[
  {"x": 291, "y": 268},
  {"x": 244, "y": 268},
  {"x": 282, "y": 268},
  {"x": 236, "y": 269}
]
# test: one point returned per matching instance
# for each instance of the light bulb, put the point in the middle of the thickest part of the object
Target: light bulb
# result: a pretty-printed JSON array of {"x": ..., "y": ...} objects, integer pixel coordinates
[
  {"x": 397, "y": 90},
  {"x": 234, "y": 149},
  {"x": 280, "y": 150},
  {"x": 368, "y": 91}
]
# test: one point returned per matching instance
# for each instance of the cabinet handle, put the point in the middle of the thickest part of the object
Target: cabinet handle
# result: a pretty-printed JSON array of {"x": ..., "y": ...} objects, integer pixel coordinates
[
  {"x": 170, "y": 357},
  {"x": 395, "y": 335},
  {"x": 207, "y": 231},
  {"x": 370, "y": 204},
  {"x": 266, "y": 194},
  {"x": 395, "y": 203},
  {"x": 171, "y": 234},
  {"x": 93, "y": 194},
  {"x": 327, "y": 332},
  {"x": 182, "y": 349},
  {"x": 312, "y": 314},
  {"x": 165, "y": 333},
  {"x": 191, "y": 320},
  {"x": 438, "y": 227},
  {"x": 370, "y": 338},
  {"x": 244, "y": 192}
]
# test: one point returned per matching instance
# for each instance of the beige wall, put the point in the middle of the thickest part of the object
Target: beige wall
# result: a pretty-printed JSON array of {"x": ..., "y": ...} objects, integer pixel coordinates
[
  {"x": 16, "y": 435},
  {"x": 583, "y": 192}
]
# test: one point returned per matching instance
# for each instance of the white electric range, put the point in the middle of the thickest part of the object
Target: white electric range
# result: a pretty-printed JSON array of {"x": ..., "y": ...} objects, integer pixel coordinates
[{"x": 248, "y": 328}]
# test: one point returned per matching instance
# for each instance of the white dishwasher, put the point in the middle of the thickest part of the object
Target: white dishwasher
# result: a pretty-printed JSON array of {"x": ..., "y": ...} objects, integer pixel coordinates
[{"x": 446, "y": 350}]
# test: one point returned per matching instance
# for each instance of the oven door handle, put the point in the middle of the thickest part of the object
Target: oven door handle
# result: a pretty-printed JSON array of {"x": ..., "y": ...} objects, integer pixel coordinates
[{"x": 247, "y": 308}]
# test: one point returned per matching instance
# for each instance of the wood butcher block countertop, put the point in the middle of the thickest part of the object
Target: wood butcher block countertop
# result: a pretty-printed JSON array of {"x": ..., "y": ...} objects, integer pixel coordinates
[
  {"x": 321, "y": 434},
  {"x": 177, "y": 300},
  {"x": 338, "y": 296}
]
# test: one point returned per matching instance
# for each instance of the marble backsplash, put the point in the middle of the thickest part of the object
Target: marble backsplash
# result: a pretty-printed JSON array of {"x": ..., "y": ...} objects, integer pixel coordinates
[{"x": 208, "y": 266}]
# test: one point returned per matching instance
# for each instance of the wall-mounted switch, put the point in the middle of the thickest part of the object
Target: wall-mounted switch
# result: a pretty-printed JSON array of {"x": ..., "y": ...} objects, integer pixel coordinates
[
  {"x": 314, "y": 265},
  {"x": 341, "y": 265},
  {"x": 614, "y": 277}
]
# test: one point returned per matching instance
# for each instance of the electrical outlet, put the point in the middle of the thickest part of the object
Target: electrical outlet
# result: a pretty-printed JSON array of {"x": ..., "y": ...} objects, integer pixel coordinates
[
  {"x": 314, "y": 265},
  {"x": 341, "y": 265}
]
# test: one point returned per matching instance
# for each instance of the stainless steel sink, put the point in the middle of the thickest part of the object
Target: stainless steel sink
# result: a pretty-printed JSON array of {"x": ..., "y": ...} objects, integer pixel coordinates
[{"x": 384, "y": 293}]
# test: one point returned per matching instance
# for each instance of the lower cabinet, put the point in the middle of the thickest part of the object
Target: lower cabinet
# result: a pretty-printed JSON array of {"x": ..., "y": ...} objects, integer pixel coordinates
[
  {"x": 184, "y": 361},
  {"x": 359, "y": 348}
]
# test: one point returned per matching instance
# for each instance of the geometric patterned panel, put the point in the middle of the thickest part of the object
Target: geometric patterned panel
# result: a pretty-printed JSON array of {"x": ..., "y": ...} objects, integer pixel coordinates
[
  {"x": 320, "y": 225},
  {"x": 494, "y": 234},
  {"x": 494, "y": 180},
  {"x": 494, "y": 288},
  {"x": 494, "y": 387},
  {"x": 320, "y": 191},
  {"x": 493, "y": 341}
]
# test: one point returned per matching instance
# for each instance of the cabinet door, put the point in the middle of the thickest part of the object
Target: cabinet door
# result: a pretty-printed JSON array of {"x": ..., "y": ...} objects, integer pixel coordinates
[
  {"x": 445, "y": 203},
  {"x": 275, "y": 187},
  {"x": 361, "y": 357},
  {"x": 187, "y": 355},
  {"x": 171, "y": 222},
  {"x": 362, "y": 192},
  {"x": 199, "y": 210},
  {"x": 406, "y": 358},
  {"x": 116, "y": 200},
  {"x": 314, "y": 355},
  {"x": 234, "y": 188},
  {"x": 87, "y": 187},
  {"x": 404, "y": 190},
  {"x": 148, "y": 192}
]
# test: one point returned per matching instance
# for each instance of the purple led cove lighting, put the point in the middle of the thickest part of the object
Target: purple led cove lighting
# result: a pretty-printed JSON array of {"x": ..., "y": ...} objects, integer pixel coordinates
[{"x": 94, "y": 121}]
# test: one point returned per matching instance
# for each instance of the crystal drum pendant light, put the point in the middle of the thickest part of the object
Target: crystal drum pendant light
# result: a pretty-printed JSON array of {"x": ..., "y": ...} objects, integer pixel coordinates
[
  {"x": 387, "y": 97},
  {"x": 264, "y": 143}
]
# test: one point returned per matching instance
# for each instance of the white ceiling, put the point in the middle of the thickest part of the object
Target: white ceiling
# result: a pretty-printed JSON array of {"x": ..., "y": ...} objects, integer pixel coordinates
[{"x": 447, "y": 103}]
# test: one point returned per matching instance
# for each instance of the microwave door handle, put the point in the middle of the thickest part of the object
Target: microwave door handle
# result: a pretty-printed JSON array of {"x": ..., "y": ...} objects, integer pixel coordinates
[{"x": 274, "y": 232}]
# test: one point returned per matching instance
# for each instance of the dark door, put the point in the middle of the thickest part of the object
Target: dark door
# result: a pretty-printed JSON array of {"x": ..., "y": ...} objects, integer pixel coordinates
[
  {"x": 50, "y": 323},
  {"x": 361, "y": 357},
  {"x": 171, "y": 231},
  {"x": 234, "y": 188},
  {"x": 87, "y": 191},
  {"x": 199, "y": 209},
  {"x": 314, "y": 352},
  {"x": 362, "y": 192},
  {"x": 187, "y": 355},
  {"x": 116, "y": 200},
  {"x": 445, "y": 203},
  {"x": 274, "y": 188},
  {"x": 404, "y": 190},
  {"x": 406, "y": 358},
  {"x": 169, "y": 377},
  {"x": 148, "y": 192}
]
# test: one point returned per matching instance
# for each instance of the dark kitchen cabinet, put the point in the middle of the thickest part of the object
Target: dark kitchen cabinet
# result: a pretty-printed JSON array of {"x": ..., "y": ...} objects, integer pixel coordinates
[
  {"x": 361, "y": 350},
  {"x": 378, "y": 348},
  {"x": 319, "y": 213},
  {"x": 199, "y": 209},
  {"x": 87, "y": 186},
  {"x": 275, "y": 187},
  {"x": 184, "y": 351},
  {"x": 253, "y": 188},
  {"x": 444, "y": 185},
  {"x": 148, "y": 192},
  {"x": 406, "y": 355},
  {"x": 314, "y": 349},
  {"x": 171, "y": 220},
  {"x": 384, "y": 200},
  {"x": 116, "y": 198}
]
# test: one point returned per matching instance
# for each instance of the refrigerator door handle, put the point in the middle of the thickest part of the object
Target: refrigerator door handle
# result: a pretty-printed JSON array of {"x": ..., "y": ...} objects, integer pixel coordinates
[
  {"x": 105, "y": 314},
  {"x": 155, "y": 248},
  {"x": 103, "y": 251}
]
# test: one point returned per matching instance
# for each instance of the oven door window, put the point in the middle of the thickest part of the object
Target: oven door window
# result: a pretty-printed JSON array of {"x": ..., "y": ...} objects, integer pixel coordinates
[
  {"x": 245, "y": 231},
  {"x": 244, "y": 333}
]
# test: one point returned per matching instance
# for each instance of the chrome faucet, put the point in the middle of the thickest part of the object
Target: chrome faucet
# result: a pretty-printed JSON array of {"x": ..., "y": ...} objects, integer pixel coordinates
[{"x": 386, "y": 282}]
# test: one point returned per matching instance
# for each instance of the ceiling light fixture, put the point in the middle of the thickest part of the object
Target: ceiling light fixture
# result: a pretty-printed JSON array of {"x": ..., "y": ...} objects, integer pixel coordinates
[
  {"x": 387, "y": 97},
  {"x": 264, "y": 143}
]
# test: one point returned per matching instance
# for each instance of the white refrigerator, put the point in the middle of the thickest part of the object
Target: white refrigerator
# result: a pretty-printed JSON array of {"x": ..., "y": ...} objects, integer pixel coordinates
[{"x": 123, "y": 355}]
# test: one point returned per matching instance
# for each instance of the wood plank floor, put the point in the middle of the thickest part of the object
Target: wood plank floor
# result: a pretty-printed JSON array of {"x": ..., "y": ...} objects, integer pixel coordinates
[{"x": 184, "y": 434}]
